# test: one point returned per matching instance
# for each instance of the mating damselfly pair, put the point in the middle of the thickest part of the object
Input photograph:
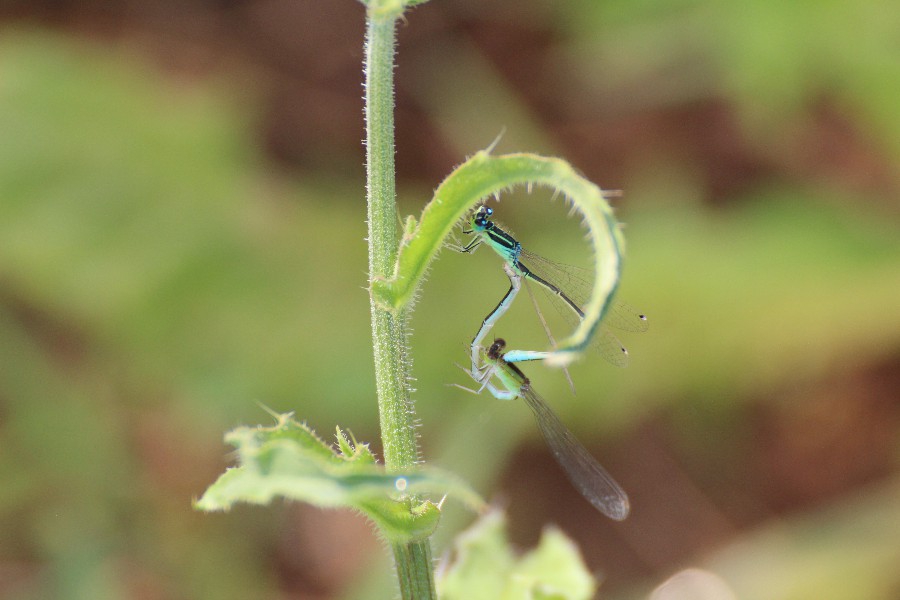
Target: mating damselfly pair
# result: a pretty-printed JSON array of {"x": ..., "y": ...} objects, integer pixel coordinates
[{"x": 570, "y": 288}]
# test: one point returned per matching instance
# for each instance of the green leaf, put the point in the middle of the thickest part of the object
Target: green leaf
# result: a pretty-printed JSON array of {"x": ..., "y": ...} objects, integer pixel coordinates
[
  {"x": 384, "y": 9},
  {"x": 289, "y": 461},
  {"x": 486, "y": 568}
]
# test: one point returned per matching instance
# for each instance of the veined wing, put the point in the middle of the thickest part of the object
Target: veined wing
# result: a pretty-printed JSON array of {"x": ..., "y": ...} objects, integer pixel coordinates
[
  {"x": 576, "y": 283},
  {"x": 585, "y": 473}
]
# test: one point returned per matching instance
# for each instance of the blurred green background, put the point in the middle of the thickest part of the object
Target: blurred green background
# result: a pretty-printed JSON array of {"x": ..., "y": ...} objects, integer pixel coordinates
[{"x": 181, "y": 239}]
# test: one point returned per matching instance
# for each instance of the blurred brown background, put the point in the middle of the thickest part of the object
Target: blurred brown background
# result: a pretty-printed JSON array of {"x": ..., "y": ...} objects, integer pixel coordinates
[{"x": 181, "y": 238}]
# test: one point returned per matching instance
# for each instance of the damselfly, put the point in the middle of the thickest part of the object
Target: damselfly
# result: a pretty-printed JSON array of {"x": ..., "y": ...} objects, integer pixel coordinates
[
  {"x": 568, "y": 286},
  {"x": 585, "y": 473}
]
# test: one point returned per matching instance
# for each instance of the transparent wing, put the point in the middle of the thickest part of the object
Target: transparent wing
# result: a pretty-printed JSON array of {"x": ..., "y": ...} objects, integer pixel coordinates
[
  {"x": 546, "y": 327},
  {"x": 575, "y": 282},
  {"x": 625, "y": 317},
  {"x": 585, "y": 473},
  {"x": 605, "y": 343},
  {"x": 610, "y": 349}
]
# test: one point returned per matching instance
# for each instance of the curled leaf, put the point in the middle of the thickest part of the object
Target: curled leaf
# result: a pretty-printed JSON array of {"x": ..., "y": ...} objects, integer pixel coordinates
[{"x": 485, "y": 175}]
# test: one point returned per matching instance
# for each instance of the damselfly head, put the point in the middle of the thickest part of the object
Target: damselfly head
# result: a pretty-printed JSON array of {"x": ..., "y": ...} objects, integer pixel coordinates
[
  {"x": 482, "y": 216},
  {"x": 496, "y": 349}
]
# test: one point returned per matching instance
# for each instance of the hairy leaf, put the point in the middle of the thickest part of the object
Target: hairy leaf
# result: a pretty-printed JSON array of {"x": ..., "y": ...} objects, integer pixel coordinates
[{"x": 289, "y": 461}]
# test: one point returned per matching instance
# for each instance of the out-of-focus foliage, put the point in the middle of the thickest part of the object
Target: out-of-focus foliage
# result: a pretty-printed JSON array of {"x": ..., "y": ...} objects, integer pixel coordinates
[
  {"x": 155, "y": 284},
  {"x": 157, "y": 279},
  {"x": 772, "y": 61},
  {"x": 842, "y": 551},
  {"x": 486, "y": 568}
]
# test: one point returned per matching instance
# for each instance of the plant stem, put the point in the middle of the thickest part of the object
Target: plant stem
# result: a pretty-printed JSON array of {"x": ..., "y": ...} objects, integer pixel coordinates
[
  {"x": 388, "y": 329},
  {"x": 389, "y": 334}
]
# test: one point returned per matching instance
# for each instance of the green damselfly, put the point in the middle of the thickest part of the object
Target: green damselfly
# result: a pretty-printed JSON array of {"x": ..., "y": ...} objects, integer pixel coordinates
[{"x": 585, "y": 473}]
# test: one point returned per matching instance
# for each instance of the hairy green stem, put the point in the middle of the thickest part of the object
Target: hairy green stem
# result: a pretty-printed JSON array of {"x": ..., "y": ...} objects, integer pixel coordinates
[
  {"x": 388, "y": 330},
  {"x": 413, "y": 560}
]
